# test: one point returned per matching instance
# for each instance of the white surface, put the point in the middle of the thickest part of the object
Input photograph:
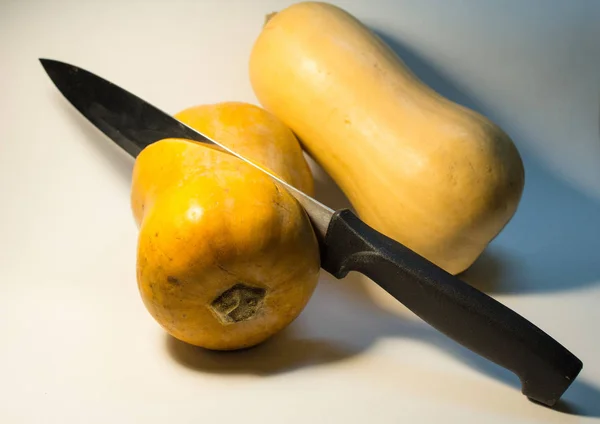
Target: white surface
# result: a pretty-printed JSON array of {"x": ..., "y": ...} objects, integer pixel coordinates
[{"x": 77, "y": 344}]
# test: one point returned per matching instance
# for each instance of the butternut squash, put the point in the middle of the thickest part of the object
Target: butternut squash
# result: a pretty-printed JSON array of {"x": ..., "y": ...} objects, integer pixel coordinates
[
  {"x": 429, "y": 173},
  {"x": 226, "y": 256}
]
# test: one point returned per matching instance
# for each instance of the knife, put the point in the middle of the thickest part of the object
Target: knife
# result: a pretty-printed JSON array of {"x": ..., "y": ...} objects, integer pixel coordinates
[{"x": 545, "y": 368}]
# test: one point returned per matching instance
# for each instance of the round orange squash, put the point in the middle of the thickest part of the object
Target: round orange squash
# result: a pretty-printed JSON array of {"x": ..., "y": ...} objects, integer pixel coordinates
[{"x": 226, "y": 256}]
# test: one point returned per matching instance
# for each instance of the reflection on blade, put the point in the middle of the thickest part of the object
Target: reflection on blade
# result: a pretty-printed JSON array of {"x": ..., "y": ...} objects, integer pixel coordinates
[{"x": 133, "y": 124}]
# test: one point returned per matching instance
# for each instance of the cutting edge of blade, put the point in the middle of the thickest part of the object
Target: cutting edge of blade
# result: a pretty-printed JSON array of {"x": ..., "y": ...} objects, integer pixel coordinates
[{"x": 319, "y": 213}]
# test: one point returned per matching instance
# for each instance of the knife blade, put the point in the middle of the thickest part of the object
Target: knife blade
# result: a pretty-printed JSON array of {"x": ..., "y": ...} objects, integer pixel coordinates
[{"x": 470, "y": 317}]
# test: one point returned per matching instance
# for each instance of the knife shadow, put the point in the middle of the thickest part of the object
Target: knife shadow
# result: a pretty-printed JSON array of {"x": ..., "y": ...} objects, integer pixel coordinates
[{"x": 342, "y": 322}]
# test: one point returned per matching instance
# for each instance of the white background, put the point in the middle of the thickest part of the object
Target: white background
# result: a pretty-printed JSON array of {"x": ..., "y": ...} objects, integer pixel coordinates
[{"x": 78, "y": 346}]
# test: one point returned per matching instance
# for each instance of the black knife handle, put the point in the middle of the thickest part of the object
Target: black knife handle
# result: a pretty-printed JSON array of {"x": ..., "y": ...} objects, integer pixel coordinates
[{"x": 463, "y": 313}]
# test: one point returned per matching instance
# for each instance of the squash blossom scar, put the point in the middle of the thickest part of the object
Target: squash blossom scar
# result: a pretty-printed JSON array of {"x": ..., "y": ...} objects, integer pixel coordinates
[{"x": 239, "y": 303}]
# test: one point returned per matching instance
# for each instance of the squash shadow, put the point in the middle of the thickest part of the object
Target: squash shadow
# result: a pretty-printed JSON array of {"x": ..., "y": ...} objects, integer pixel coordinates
[
  {"x": 555, "y": 224},
  {"x": 284, "y": 352}
]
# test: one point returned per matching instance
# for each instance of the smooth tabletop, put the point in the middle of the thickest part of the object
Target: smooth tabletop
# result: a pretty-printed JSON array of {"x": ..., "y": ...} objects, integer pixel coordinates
[{"x": 77, "y": 344}]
